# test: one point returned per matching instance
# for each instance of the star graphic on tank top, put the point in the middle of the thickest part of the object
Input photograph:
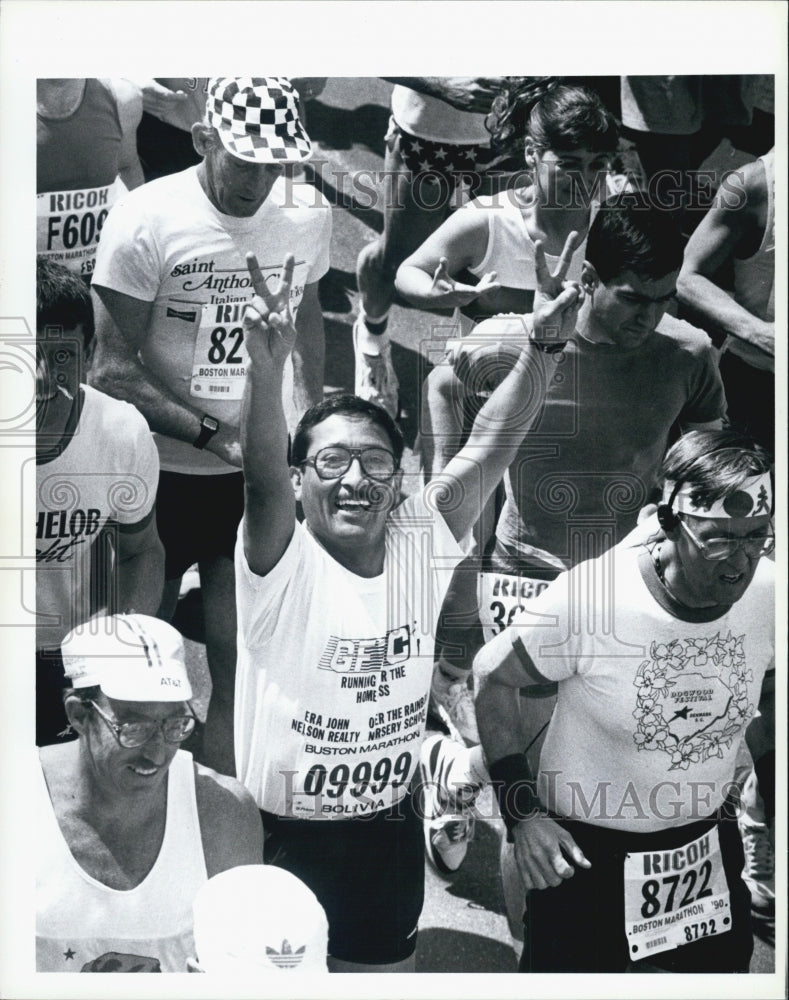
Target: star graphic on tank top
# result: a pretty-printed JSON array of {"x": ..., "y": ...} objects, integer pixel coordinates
[
  {"x": 440, "y": 153},
  {"x": 416, "y": 147},
  {"x": 470, "y": 154},
  {"x": 69, "y": 954},
  {"x": 425, "y": 165}
]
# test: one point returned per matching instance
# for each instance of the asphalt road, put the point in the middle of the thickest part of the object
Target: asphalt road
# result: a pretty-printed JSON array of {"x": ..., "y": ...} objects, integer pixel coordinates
[{"x": 463, "y": 926}]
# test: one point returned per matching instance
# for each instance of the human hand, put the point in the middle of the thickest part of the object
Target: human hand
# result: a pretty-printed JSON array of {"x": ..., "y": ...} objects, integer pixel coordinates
[
  {"x": 448, "y": 292},
  {"x": 269, "y": 330},
  {"x": 467, "y": 93},
  {"x": 158, "y": 99},
  {"x": 542, "y": 849},
  {"x": 556, "y": 301}
]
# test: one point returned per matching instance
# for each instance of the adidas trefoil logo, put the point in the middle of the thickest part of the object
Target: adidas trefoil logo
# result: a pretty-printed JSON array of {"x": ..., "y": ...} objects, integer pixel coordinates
[{"x": 287, "y": 958}]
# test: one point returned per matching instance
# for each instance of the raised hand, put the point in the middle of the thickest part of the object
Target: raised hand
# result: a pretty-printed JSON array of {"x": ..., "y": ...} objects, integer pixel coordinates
[
  {"x": 455, "y": 293},
  {"x": 556, "y": 300},
  {"x": 468, "y": 93},
  {"x": 158, "y": 99},
  {"x": 269, "y": 330}
]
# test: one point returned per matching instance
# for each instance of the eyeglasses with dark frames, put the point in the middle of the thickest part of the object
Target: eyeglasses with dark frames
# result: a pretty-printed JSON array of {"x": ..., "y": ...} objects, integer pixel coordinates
[
  {"x": 334, "y": 461},
  {"x": 131, "y": 735},
  {"x": 718, "y": 549}
]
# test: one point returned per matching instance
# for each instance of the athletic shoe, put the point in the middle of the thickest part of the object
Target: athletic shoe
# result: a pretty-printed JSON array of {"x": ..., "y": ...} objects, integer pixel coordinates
[
  {"x": 458, "y": 703},
  {"x": 375, "y": 378},
  {"x": 759, "y": 871},
  {"x": 447, "y": 819}
]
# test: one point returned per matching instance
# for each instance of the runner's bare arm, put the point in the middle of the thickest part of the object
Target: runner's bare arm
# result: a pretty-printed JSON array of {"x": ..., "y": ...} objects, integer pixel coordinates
[
  {"x": 473, "y": 474},
  {"x": 140, "y": 567},
  {"x": 129, "y": 98},
  {"x": 425, "y": 278},
  {"x": 230, "y": 824},
  {"x": 545, "y": 852},
  {"x": 269, "y": 505},
  {"x": 122, "y": 323},
  {"x": 724, "y": 233},
  {"x": 309, "y": 351},
  {"x": 466, "y": 93}
]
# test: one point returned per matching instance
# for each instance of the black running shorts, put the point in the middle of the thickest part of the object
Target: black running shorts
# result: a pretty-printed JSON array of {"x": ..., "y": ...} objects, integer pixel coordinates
[
  {"x": 368, "y": 874},
  {"x": 197, "y": 518}
]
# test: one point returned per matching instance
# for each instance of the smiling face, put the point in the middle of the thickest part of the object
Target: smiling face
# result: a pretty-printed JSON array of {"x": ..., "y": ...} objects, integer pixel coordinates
[
  {"x": 627, "y": 309},
  {"x": 129, "y": 771},
  {"x": 234, "y": 186},
  {"x": 701, "y": 582},
  {"x": 347, "y": 515},
  {"x": 567, "y": 179}
]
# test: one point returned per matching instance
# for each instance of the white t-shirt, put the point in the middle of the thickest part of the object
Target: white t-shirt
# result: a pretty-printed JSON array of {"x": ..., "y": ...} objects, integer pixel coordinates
[
  {"x": 334, "y": 669},
  {"x": 165, "y": 243},
  {"x": 108, "y": 471},
  {"x": 654, "y": 698}
]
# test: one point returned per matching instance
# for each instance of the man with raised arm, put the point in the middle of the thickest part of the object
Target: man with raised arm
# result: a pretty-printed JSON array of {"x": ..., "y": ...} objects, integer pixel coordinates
[
  {"x": 336, "y": 626},
  {"x": 171, "y": 286},
  {"x": 630, "y": 846}
]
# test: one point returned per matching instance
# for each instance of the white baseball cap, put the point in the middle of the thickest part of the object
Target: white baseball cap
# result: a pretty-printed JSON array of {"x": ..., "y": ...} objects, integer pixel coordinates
[
  {"x": 259, "y": 918},
  {"x": 130, "y": 657}
]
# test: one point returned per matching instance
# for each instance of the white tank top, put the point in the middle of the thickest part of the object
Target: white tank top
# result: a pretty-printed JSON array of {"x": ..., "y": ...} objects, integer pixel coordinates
[
  {"x": 83, "y": 925},
  {"x": 754, "y": 277},
  {"x": 433, "y": 119}
]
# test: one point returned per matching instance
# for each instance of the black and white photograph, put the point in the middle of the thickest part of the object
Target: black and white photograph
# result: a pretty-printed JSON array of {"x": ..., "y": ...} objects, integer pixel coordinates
[{"x": 394, "y": 499}]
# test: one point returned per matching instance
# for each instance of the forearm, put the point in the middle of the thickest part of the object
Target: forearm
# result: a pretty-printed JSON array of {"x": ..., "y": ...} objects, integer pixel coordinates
[
  {"x": 498, "y": 718},
  {"x": 717, "y": 312},
  {"x": 309, "y": 355},
  {"x": 140, "y": 581},
  {"x": 510, "y": 412},
  {"x": 264, "y": 430},
  {"x": 418, "y": 288}
]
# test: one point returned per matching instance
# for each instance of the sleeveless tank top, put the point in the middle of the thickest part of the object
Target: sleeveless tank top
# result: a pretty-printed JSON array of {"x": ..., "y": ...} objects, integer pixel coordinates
[
  {"x": 81, "y": 150},
  {"x": 83, "y": 925}
]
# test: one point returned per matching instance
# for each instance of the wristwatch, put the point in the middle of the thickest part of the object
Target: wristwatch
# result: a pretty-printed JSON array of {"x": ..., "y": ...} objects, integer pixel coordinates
[{"x": 208, "y": 427}]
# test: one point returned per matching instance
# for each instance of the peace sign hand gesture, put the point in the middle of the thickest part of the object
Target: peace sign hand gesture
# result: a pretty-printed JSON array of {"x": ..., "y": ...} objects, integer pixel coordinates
[
  {"x": 448, "y": 292},
  {"x": 269, "y": 331},
  {"x": 556, "y": 301}
]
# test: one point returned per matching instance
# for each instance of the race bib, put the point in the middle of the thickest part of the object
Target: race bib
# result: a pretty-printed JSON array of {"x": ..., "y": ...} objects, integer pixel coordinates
[
  {"x": 343, "y": 791},
  {"x": 68, "y": 225},
  {"x": 501, "y": 597},
  {"x": 219, "y": 365},
  {"x": 675, "y": 897}
]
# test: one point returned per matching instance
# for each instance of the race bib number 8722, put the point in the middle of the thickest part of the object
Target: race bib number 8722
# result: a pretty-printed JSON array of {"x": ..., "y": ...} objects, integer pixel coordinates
[{"x": 675, "y": 897}]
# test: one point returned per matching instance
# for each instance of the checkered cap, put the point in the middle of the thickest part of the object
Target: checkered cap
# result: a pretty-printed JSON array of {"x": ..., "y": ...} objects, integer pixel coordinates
[{"x": 258, "y": 118}]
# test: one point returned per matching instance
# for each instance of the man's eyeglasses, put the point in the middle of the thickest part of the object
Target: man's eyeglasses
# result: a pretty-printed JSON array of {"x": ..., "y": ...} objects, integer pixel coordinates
[
  {"x": 333, "y": 462},
  {"x": 130, "y": 735},
  {"x": 718, "y": 549}
]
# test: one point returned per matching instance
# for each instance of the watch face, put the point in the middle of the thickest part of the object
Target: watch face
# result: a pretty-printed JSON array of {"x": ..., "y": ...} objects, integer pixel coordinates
[{"x": 210, "y": 424}]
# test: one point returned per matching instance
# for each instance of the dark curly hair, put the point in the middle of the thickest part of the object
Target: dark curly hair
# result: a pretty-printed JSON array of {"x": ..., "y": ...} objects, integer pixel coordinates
[
  {"x": 552, "y": 114},
  {"x": 345, "y": 405}
]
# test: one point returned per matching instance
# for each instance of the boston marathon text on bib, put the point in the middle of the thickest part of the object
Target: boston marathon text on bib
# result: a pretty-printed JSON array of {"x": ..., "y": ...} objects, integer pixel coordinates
[
  {"x": 69, "y": 223},
  {"x": 360, "y": 758},
  {"x": 675, "y": 897}
]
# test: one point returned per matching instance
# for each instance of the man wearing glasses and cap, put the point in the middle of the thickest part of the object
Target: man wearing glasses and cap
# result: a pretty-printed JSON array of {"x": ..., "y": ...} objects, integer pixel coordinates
[
  {"x": 171, "y": 285},
  {"x": 128, "y": 827},
  {"x": 630, "y": 846}
]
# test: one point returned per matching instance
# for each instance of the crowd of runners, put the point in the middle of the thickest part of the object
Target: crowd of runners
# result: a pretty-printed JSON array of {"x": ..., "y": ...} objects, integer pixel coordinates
[{"x": 575, "y": 605}]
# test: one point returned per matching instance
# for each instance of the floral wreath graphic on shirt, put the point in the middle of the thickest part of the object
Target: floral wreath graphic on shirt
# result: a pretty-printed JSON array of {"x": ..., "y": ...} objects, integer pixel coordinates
[{"x": 693, "y": 698}]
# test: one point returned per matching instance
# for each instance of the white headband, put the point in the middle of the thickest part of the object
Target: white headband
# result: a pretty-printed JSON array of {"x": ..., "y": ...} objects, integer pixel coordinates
[{"x": 752, "y": 498}]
